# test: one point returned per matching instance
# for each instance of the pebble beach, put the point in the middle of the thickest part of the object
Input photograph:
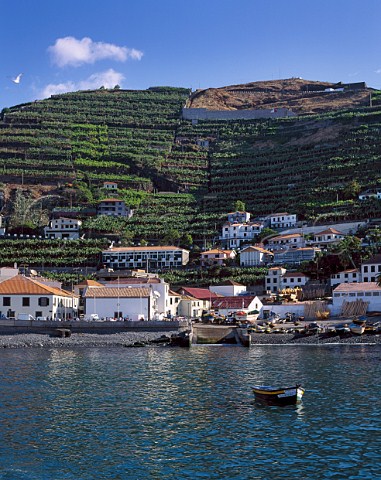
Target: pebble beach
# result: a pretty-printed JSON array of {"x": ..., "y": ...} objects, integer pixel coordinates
[{"x": 142, "y": 339}]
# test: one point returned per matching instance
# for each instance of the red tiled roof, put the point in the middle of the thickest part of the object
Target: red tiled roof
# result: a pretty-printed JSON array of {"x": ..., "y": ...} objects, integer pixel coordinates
[
  {"x": 199, "y": 293},
  {"x": 232, "y": 302}
]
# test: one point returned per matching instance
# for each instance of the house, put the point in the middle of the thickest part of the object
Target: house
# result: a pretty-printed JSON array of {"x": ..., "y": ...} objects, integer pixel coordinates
[
  {"x": 371, "y": 269},
  {"x": 191, "y": 307},
  {"x": 158, "y": 257},
  {"x": 120, "y": 302},
  {"x": 234, "y": 234},
  {"x": 287, "y": 241},
  {"x": 228, "y": 288},
  {"x": 203, "y": 295},
  {"x": 173, "y": 302},
  {"x": 114, "y": 207},
  {"x": 230, "y": 305},
  {"x": 217, "y": 256},
  {"x": 20, "y": 294},
  {"x": 283, "y": 220},
  {"x": 327, "y": 237},
  {"x": 253, "y": 256},
  {"x": 159, "y": 288},
  {"x": 352, "y": 275},
  {"x": 295, "y": 255},
  {"x": 110, "y": 186},
  {"x": 368, "y": 292},
  {"x": 278, "y": 278},
  {"x": 62, "y": 228},
  {"x": 273, "y": 279}
]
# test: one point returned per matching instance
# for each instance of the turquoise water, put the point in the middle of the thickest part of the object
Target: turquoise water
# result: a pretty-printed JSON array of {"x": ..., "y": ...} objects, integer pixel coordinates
[{"x": 161, "y": 413}]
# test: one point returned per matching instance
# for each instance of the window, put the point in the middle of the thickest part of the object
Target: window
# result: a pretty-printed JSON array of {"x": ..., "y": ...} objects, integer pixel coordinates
[
  {"x": 6, "y": 301},
  {"x": 43, "y": 301},
  {"x": 366, "y": 269},
  {"x": 25, "y": 301}
]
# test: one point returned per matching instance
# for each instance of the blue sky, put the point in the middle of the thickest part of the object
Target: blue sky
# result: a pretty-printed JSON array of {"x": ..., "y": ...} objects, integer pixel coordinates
[{"x": 67, "y": 45}]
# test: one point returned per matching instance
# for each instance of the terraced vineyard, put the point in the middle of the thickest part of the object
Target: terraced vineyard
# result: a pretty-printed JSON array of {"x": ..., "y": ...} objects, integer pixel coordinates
[
  {"x": 313, "y": 165},
  {"x": 306, "y": 165},
  {"x": 98, "y": 135}
]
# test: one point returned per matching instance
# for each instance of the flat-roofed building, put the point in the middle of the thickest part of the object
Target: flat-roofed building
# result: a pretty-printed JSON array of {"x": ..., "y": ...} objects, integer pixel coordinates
[{"x": 148, "y": 258}]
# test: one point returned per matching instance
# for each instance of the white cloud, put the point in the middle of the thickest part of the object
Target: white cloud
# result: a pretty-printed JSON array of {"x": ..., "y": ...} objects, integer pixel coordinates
[
  {"x": 378, "y": 71},
  {"x": 107, "y": 79},
  {"x": 74, "y": 52}
]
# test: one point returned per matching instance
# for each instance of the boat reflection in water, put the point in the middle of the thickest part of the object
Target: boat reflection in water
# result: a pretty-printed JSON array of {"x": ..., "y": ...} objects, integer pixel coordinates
[{"x": 271, "y": 395}]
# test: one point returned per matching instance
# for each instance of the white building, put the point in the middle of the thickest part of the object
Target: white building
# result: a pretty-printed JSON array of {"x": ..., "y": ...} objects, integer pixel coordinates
[
  {"x": 367, "y": 194},
  {"x": 352, "y": 275},
  {"x": 8, "y": 272},
  {"x": 278, "y": 278},
  {"x": 133, "y": 303},
  {"x": 327, "y": 237},
  {"x": 289, "y": 240},
  {"x": 23, "y": 295},
  {"x": 63, "y": 228},
  {"x": 235, "y": 234},
  {"x": 110, "y": 186},
  {"x": 145, "y": 257},
  {"x": 252, "y": 256},
  {"x": 371, "y": 269},
  {"x": 190, "y": 307},
  {"x": 239, "y": 217},
  {"x": 283, "y": 220},
  {"x": 228, "y": 289},
  {"x": 273, "y": 279},
  {"x": 114, "y": 207},
  {"x": 368, "y": 292},
  {"x": 158, "y": 287}
]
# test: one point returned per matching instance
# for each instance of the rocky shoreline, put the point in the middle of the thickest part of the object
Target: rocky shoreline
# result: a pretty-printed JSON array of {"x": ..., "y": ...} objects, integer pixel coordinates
[{"x": 142, "y": 339}]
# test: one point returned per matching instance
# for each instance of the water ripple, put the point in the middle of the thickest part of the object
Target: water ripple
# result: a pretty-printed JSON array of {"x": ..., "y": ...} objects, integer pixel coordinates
[{"x": 173, "y": 413}]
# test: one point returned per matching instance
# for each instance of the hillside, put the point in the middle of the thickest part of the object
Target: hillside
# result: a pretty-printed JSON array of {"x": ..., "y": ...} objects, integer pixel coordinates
[
  {"x": 301, "y": 96},
  {"x": 186, "y": 175}
]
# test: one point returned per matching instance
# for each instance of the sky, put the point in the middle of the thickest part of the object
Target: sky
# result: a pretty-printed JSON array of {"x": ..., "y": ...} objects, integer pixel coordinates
[{"x": 69, "y": 45}]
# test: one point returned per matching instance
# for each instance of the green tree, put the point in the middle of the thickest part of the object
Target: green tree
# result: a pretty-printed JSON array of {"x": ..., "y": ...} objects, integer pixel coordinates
[
  {"x": 186, "y": 240},
  {"x": 240, "y": 206},
  {"x": 348, "y": 248}
]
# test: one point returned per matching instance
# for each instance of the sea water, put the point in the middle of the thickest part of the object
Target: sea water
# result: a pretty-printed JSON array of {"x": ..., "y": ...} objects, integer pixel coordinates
[{"x": 172, "y": 413}]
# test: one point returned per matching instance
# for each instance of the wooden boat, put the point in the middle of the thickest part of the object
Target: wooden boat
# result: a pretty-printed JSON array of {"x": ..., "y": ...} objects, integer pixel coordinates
[
  {"x": 278, "y": 396},
  {"x": 357, "y": 328}
]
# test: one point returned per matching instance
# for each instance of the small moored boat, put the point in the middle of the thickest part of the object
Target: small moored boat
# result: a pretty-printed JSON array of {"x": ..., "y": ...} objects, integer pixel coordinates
[
  {"x": 357, "y": 328},
  {"x": 278, "y": 396}
]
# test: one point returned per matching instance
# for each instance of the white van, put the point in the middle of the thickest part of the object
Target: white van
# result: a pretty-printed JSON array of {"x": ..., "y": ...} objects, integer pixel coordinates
[{"x": 25, "y": 316}]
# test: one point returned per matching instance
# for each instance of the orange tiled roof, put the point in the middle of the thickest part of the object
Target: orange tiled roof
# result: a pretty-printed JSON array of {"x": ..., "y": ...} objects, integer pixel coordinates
[{"x": 20, "y": 285}]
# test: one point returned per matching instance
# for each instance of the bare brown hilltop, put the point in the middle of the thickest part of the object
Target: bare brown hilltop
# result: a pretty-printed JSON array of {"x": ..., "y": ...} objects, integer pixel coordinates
[{"x": 301, "y": 96}]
